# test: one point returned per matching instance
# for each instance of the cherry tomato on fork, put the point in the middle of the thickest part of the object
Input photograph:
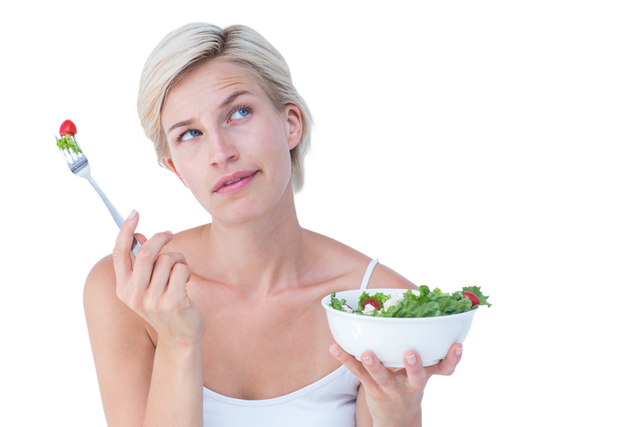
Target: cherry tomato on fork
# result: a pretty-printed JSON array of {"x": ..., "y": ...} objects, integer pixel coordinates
[{"x": 68, "y": 128}]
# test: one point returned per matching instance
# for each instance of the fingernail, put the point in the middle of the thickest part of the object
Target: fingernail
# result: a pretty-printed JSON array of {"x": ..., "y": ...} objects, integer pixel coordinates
[
  {"x": 458, "y": 351},
  {"x": 411, "y": 359},
  {"x": 169, "y": 233},
  {"x": 334, "y": 351},
  {"x": 368, "y": 360},
  {"x": 132, "y": 212}
]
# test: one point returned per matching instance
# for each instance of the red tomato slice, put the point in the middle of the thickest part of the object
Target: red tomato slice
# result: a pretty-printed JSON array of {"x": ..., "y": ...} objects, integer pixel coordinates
[
  {"x": 474, "y": 299},
  {"x": 68, "y": 128},
  {"x": 373, "y": 302}
]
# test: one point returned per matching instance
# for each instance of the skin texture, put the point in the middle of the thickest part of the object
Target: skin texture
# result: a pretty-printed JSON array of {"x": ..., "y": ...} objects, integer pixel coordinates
[{"x": 259, "y": 242}]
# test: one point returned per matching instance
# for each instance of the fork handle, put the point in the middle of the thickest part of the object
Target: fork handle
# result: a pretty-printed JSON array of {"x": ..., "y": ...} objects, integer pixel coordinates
[{"x": 114, "y": 213}]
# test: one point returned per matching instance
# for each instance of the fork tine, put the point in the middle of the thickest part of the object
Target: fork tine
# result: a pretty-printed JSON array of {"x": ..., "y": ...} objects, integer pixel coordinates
[
  {"x": 62, "y": 158},
  {"x": 72, "y": 154},
  {"x": 78, "y": 163},
  {"x": 84, "y": 151},
  {"x": 60, "y": 152}
]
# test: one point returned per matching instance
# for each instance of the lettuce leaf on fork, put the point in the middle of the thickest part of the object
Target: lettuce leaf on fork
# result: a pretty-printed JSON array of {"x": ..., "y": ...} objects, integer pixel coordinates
[{"x": 68, "y": 143}]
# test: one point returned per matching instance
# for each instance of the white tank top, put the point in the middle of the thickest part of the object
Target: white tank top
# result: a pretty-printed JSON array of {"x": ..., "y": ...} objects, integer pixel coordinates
[{"x": 328, "y": 402}]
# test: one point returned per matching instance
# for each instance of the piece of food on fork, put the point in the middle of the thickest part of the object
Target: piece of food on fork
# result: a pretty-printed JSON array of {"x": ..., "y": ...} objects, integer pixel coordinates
[
  {"x": 79, "y": 164},
  {"x": 67, "y": 139}
]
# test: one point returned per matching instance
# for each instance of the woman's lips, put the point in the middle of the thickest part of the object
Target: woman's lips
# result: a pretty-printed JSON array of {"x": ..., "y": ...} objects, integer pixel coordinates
[{"x": 226, "y": 189}]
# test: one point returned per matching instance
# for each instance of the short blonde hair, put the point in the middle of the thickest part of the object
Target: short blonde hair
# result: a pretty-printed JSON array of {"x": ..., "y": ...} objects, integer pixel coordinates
[{"x": 192, "y": 44}]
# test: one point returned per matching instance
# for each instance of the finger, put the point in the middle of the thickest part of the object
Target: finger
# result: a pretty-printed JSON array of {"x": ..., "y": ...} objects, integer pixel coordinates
[
  {"x": 353, "y": 365},
  {"x": 381, "y": 375},
  {"x": 145, "y": 261},
  {"x": 121, "y": 259},
  {"x": 447, "y": 366},
  {"x": 416, "y": 374},
  {"x": 177, "y": 287},
  {"x": 162, "y": 270}
]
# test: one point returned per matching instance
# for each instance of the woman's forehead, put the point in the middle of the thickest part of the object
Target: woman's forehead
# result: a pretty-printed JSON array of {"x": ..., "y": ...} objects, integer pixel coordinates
[
  {"x": 211, "y": 84},
  {"x": 213, "y": 76}
]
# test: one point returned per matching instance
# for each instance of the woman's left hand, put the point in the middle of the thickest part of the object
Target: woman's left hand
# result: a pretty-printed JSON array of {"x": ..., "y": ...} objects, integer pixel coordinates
[{"x": 394, "y": 397}]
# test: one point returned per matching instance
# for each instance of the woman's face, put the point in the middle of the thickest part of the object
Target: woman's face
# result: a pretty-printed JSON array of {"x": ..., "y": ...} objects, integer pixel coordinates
[{"x": 228, "y": 144}]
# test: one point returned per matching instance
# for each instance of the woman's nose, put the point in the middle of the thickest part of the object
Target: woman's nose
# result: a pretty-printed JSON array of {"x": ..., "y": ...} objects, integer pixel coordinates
[{"x": 221, "y": 147}]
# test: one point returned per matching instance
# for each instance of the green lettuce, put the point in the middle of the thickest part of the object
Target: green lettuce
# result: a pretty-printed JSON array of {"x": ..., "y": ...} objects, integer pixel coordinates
[
  {"x": 68, "y": 143},
  {"x": 421, "y": 302}
]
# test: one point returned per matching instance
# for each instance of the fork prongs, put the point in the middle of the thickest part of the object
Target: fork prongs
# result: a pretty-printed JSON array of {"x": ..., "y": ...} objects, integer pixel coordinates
[
  {"x": 67, "y": 158},
  {"x": 84, "y": 151},
  {"x": 61, "y": 152}
]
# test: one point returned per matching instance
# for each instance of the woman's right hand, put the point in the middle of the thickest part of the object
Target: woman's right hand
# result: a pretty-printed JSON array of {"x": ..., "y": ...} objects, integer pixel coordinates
[{"x": 154, "y": 285}]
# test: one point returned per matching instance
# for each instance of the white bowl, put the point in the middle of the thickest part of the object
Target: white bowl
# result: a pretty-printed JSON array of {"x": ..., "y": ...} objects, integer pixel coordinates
[{"x": 389, "y": 338}]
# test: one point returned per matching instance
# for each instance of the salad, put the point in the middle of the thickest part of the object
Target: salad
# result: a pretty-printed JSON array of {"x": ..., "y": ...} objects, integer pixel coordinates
[
  {"x": 421, "y": 302},
  {"x": 68, "y": 141}
]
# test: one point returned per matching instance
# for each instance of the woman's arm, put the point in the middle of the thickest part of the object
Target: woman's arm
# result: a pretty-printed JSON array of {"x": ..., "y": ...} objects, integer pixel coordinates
[
  {"x": 175, "y": 396},
  {"x": 138, "y": 383}
]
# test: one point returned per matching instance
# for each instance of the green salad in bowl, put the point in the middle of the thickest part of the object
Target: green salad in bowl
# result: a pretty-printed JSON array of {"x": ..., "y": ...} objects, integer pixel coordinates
[
  {"x": 421, "y": 302},
  {"x": 390, "y": 322}
]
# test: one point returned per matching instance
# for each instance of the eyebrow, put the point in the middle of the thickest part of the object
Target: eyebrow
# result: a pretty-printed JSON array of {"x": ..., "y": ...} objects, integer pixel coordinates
[{"x": 226, "y": 102}]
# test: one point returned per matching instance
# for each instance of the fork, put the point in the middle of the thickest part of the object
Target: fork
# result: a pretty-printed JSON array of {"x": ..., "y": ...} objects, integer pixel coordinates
[{"x": 79, "y": 165}]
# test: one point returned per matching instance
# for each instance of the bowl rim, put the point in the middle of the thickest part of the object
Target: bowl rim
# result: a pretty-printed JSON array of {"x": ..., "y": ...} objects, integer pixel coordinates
[{"x": 325, "y": 304}]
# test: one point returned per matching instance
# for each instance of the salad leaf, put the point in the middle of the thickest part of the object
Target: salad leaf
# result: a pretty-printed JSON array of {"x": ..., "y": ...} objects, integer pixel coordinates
[
  {"x": 336, "y": 303},
  {"x": 478, "y": 293},
  {"x": 68, "y": 143},
  {"x": 421, "y": 302}
]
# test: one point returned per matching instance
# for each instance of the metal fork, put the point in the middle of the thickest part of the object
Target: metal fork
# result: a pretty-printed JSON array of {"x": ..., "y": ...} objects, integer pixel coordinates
[{"x": 79, "y": 165}]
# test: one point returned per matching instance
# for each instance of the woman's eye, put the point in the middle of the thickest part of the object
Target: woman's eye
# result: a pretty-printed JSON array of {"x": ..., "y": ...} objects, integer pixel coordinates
[
  {"x": 191, "y": 133},
  {"x": 242, "y": 112}
]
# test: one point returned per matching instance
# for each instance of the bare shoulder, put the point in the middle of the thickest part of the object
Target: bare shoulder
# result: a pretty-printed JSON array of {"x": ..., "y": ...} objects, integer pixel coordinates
[
  {"x": 104, "y": 310},
  {"x": 100, "y": 293},
  {"x": 385, "y": 277},
  {"x": 188, "y": 242},
  {"x": 349, "y": 261},
  {"x": 100, "y": 300},
  {"x": 100, "y": 286}
]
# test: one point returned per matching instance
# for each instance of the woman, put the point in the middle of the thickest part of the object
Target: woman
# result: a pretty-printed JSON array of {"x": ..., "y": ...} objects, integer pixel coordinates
[{"x": 222, "y": 325}]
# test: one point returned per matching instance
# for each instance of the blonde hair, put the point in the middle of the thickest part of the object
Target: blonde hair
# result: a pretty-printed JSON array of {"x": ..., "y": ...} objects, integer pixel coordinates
[{"x": 192, "y": 44}]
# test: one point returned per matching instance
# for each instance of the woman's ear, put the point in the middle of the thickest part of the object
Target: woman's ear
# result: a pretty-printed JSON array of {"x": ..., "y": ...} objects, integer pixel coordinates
[
  {"x": 169, "y": 163},
  {"x": 294, "y": 122}
]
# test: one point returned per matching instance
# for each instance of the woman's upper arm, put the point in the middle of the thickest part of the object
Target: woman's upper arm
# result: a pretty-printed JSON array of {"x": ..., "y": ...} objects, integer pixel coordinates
[{"x": 122, "y": 349}]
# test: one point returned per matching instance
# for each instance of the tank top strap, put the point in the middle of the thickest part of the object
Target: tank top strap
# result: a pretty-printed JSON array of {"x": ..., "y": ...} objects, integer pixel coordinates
[{"x": 367, "y": 274}]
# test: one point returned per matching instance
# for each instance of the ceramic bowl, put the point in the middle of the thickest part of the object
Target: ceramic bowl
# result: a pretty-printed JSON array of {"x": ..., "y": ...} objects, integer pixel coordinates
[{"x": 390, "y": 338}]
